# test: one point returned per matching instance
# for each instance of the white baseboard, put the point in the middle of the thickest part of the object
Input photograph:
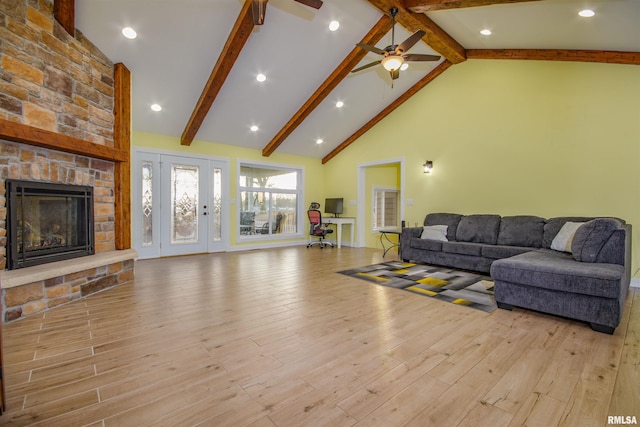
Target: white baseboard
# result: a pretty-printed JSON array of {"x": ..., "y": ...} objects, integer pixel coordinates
[{"x": 635, "y": 283}]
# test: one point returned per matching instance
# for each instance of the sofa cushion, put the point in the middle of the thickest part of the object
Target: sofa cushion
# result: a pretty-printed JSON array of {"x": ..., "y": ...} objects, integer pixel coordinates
[
  {"x": 521, "y": 230},
  {"x": 499, "y": 251},
  {"x": 448, "y": 219},
  {"x": 462, "y": 248},
  {"x": 429, "y": 245},
  {"x": 564, "y": 239},
  {"x": 478, "y": 229},
  {"x": 558, "y": 271},
  {"x": 434, "y": 232},
  {"x": 553, "y": 225},
  {"x": 591, "y": 237}
]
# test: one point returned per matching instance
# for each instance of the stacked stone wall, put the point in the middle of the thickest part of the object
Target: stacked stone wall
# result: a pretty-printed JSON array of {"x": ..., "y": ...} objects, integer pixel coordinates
[{"x": 51, "y": 80}]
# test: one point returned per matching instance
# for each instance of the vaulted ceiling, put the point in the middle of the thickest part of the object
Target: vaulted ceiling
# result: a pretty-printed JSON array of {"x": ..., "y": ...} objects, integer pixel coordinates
[{"x": 199, "y": 59}]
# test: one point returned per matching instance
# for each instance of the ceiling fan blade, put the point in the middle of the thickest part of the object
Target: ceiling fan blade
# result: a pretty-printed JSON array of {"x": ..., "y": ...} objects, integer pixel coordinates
[
  {"x": 316, "y": 4},
  {"x": 258, "y": 8},
  {"x": 408, "y": 43},
  {"x": 395, "y": 74},
  {"x": 371, "y": 48},
  {"x": 420, "y": 57},
  {"x": 364, "y": 67}
]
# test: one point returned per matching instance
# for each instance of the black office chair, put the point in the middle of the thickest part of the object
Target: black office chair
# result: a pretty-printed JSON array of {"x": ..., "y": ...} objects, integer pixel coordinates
[{"x": 316, "y": 228}]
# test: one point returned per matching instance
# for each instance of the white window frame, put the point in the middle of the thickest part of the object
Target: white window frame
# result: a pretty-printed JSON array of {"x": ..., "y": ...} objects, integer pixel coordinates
[
  {"x": 374, "y": 208},
  {"x": 299, "y": 192}
]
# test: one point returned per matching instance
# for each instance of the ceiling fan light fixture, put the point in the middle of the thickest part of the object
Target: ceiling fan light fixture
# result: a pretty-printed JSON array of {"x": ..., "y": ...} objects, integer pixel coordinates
[
  {"x": 392, "y": 62},
  {"x": 404, "y": 66}
]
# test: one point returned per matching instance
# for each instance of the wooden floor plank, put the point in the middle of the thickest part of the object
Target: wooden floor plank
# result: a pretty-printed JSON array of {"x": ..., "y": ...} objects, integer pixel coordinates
[{"x": 228, "y": 340}]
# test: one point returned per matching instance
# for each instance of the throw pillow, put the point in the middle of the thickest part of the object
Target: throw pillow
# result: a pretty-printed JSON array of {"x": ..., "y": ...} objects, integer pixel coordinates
[
  {"x": 563, "y": 240},
  {"x": 591, "y": 237},
  {"x": 434, "y": 232}
]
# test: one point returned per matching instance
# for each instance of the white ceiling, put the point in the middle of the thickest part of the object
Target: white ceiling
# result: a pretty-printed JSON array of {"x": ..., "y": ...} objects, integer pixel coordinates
[{"x": 179, "y": 43}]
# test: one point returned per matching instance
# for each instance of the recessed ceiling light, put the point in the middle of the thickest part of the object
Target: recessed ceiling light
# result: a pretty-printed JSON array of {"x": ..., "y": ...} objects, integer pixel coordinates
[
  {"x": 334, "y": 25},
  {"x": 339, "y": 104},
  {"x": 129, "y": 33},
  {"x": 404, "y": 66},
  {"x": 319, "y": 141},
  {"x": 586, "y": 13},
  {"x": 261, "y": 77},
  {"x": 485, "y": 32},
  {"x": 156, "y": 107},
  {"x": 254, "y": 128}
]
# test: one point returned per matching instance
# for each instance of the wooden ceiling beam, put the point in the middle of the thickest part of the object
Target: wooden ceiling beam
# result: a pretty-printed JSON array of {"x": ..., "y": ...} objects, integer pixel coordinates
[
  {"x": 377, "y": 32},
  {"x": 605, "y": 56},
  {"x": 65, "y": 13},
  {"x": 230, "y": 52},
  {"x": 434, "y": 36},
  {"x": 423, "y": 6},
  {"x": 441, "y": 68}
]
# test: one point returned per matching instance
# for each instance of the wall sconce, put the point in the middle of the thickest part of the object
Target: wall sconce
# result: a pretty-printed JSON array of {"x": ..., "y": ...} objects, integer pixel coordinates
[{"x": 428, "y": 165}]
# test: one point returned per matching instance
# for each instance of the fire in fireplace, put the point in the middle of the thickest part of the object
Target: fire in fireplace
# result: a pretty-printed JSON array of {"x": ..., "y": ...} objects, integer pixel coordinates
[{"x": 47, "y": 222}]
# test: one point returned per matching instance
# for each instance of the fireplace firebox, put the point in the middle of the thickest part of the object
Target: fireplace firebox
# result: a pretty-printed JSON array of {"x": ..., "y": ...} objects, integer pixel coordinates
[{"x": 47, "y": 222}]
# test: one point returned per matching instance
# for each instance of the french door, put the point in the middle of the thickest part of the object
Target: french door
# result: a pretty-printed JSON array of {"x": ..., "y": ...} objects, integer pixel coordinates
[{"x": 182, "y": 205}]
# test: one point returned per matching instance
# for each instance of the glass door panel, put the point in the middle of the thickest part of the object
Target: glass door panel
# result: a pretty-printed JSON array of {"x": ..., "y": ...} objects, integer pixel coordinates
[{"x": 184, "y": 193}]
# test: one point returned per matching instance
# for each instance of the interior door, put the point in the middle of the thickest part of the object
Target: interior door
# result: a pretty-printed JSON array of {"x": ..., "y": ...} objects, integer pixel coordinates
[{"x": 185, "y": 205}]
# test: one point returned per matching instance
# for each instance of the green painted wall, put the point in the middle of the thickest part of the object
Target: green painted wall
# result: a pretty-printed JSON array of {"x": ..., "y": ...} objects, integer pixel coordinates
[{"x": 513, "y": 137}]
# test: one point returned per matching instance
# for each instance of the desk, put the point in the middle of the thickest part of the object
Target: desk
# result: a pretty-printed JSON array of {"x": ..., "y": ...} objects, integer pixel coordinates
[
  {"x": 384, "y": 235},
  {"x": 341, "y": 222}
]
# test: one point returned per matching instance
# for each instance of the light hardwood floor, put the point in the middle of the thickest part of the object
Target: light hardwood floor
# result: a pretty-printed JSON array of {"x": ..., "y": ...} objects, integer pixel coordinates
[{"x": 278, "y": 338}]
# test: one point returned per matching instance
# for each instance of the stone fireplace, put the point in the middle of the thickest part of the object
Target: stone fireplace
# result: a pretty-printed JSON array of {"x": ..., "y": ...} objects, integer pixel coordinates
[{"x": 64, "y": 123}]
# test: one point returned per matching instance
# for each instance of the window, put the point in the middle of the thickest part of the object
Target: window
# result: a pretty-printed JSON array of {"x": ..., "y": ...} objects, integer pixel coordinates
[
  {"x": 269, "y": 198},
  {"x": 385, "y": 208}
]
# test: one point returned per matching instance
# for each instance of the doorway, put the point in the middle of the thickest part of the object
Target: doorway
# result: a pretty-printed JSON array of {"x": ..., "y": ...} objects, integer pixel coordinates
[
  {"x": 180, "y": 205},
  {"x": 362, "y": 224}
]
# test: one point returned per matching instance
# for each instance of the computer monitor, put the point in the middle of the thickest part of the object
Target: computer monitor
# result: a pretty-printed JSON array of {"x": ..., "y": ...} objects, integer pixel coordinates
[{"x": 333, "y": 206}]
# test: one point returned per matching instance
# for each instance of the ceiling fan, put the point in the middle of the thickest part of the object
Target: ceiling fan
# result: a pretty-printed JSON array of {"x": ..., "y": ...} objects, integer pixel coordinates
[
  {"x": 395, "y": 55},
  {"x": 259, "y": 7}
]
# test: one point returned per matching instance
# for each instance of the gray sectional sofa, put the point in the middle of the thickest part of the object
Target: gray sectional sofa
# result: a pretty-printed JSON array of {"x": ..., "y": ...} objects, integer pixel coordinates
[{"x": 575, "y": 267}]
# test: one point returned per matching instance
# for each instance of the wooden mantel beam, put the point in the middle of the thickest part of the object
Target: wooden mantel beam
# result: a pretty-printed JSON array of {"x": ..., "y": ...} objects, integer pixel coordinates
[
  {"x": 230, "y": 52},
  {"x": 65, "y": 13},
  {"x": 374, "y": 35},
  {"x": 18, "y": 132},
  {"x": 422, "y": 6},
  {"x": 441, "y": 68}
]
